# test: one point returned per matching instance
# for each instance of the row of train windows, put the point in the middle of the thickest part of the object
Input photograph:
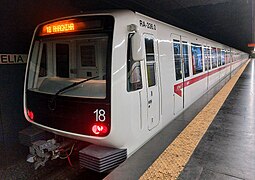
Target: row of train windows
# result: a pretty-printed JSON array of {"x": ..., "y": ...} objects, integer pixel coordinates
[{"x": 218, "y": 58}]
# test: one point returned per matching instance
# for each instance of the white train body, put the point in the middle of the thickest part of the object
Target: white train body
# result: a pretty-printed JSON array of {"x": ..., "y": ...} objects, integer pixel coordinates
[{"x": 138, "y": 105}]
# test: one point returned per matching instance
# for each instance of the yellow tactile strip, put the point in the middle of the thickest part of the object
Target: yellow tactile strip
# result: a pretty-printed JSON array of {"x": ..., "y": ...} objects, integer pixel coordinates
[{"x": 173, "y": 160}]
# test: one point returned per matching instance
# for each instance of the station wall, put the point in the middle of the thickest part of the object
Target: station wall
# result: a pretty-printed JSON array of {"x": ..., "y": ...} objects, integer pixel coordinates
[{"x": 18, "y": 20}]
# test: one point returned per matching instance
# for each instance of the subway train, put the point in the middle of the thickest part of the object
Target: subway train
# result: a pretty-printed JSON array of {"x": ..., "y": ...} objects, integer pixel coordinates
[{"x": 116, "y": 78}]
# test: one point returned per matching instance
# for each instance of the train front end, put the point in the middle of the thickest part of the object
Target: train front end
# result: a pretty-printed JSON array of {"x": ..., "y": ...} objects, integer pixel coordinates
[{"x": 67, "y": 85}]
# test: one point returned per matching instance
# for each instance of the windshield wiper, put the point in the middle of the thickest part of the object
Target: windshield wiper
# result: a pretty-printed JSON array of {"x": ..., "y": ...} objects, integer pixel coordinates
[{"x": 74, "y": 84}]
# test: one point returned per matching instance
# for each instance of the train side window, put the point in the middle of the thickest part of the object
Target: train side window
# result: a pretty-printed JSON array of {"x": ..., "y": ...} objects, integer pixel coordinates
[
  {"x": 219, "y": 56},
  {"x": 223, "y": 57},
  {"x": 214, "y": 57},
  {"x": 43, "y": 63},
  {"x": 186, "y": 58},
  {"x": 197, "y": 61},
  {"x": 150, "y": 61},
  {"x": 134, "y": 78},
  {"x": 207, "y": 58},
  {"x": 226, "y": 57},
  {"x": 177, "y": 59}
]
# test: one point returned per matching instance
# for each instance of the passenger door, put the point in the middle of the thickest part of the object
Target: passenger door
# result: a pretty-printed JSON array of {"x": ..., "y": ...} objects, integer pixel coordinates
[
  {"x": 207, "y": 63},
  {"x": 178, "y": 43},
  {"x": 152, "y": 85}
]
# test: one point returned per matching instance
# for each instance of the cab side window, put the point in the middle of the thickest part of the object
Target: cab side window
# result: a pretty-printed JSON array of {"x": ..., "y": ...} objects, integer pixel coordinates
[
  {"x": 134, "y": 78},
  {"x": 150, "y": 61}
]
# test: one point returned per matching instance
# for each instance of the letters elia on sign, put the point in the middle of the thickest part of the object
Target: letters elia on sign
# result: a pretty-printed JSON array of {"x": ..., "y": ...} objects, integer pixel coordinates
[{"x": 13, "y": 58}]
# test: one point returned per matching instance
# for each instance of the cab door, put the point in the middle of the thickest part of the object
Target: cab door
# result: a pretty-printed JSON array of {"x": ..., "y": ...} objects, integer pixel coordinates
[
  {"x": 152, "y": 85},
  {"x": 62, "y": 55}
]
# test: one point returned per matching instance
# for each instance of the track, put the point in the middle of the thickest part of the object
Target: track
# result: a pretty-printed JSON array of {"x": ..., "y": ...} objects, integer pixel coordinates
[{"x": 13, "y": 166}]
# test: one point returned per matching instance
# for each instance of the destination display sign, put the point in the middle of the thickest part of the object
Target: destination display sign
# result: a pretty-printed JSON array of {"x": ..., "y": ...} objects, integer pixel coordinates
[
  {"x": 13, "y": 58},
  {"x": 251, "y": 45},
  {"x": 68, "y": 26}
]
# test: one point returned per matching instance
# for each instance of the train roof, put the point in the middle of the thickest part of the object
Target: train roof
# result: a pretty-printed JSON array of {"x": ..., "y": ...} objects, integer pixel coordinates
[{"x": 123, "y": 11}]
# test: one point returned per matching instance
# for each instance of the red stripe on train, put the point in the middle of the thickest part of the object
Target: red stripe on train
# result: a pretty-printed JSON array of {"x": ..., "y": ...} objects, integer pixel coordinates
[{"x": 178, "y": 87}]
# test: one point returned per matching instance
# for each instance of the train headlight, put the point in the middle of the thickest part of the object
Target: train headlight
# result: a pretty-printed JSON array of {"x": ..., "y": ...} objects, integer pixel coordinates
[
  {"x": 30, "y": 114},
  {"x": 99, "y": 129}
]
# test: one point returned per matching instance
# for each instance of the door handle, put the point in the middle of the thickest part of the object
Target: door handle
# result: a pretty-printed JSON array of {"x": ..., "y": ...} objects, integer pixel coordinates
[{"x": 149, "y": 103}]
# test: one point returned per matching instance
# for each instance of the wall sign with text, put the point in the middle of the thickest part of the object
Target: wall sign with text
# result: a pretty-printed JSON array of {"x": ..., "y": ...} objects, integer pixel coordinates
[{"x": 13, "y": 58}]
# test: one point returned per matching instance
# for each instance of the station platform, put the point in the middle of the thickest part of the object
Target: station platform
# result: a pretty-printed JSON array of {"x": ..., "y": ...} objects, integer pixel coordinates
[
  {"x": 227, "y": 150},
  {"x": 190, "y": 148}
]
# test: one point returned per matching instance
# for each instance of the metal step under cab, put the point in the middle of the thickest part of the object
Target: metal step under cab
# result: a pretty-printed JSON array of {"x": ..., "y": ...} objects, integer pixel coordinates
[{"x": 100, "y": 158}]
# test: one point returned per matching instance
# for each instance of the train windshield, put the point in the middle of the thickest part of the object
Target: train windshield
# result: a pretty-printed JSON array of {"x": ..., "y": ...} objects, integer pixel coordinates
[{"x": 72, "y": 51}]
